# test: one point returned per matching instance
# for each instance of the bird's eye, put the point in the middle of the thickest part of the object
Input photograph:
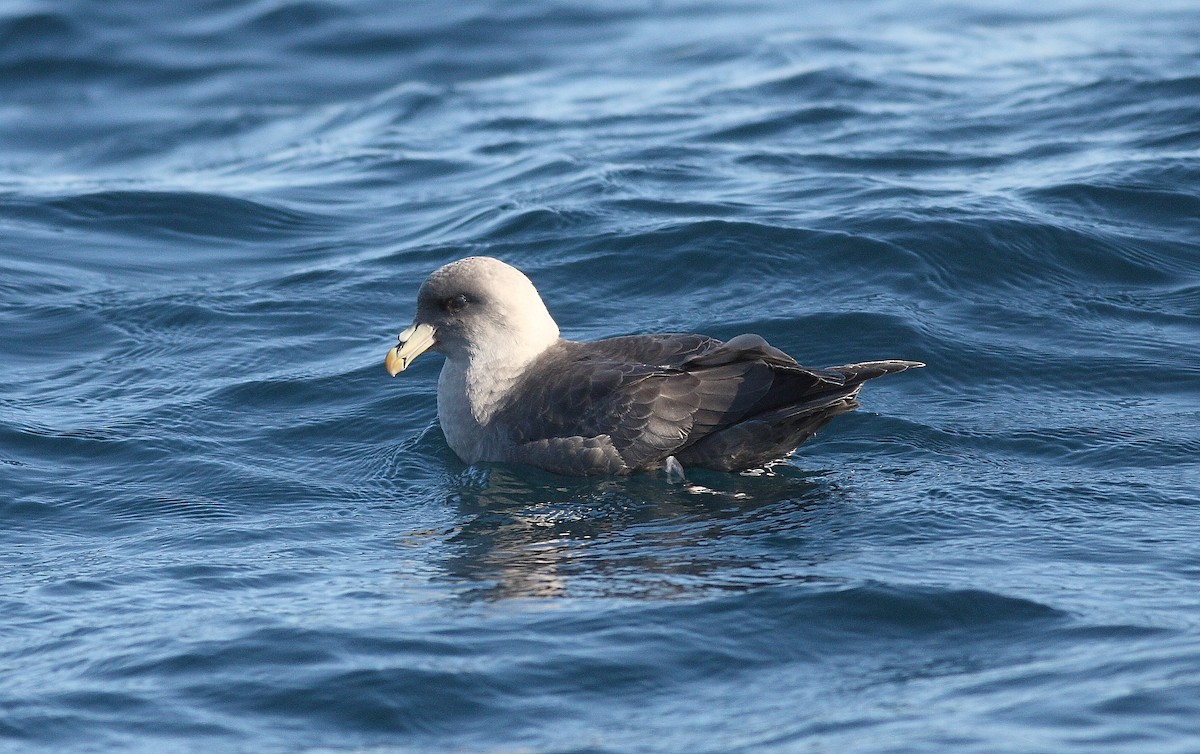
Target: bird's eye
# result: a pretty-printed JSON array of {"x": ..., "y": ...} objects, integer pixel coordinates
[{"x": 456, "y": 304}]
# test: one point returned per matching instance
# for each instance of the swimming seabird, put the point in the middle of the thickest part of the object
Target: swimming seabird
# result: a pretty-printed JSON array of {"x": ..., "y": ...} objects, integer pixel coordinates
[{"x": 512, "y": 390}]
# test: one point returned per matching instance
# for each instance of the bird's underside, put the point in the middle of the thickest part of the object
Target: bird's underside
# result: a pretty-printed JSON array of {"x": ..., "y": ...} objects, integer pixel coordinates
[{"x": 636, "y": 401}]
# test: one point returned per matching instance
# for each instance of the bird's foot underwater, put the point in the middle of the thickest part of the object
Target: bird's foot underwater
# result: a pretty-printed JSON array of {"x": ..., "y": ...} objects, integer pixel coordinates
[{"x": 674, "y": 470}]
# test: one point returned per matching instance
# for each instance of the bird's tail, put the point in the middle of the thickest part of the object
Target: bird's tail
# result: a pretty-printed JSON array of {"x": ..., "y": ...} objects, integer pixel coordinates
[{"x": 856, "y": 374}]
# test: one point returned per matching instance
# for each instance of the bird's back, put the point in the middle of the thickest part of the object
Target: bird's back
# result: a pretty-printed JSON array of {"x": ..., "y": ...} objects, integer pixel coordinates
[{"x": 626, "y": 404}]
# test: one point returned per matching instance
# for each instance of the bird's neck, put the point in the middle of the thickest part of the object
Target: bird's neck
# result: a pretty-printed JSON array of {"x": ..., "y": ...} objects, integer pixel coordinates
[{"x": 482, "y": 382}]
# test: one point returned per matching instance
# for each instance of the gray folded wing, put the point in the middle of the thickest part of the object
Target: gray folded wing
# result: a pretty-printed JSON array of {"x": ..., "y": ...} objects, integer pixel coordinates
[{"x": 625, "y": 404}]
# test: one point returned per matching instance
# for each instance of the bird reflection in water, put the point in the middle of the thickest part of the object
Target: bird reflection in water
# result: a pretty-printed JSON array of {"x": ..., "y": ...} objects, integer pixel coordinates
[{"x": 529, "y": 534}]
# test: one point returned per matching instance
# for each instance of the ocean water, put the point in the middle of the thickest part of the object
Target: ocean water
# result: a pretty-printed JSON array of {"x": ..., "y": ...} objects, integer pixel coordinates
[{"x": 224, "y": 528}]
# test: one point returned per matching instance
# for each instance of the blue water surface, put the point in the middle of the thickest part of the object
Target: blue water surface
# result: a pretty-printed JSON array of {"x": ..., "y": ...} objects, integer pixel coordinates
[{"x": 224, "y": 528}]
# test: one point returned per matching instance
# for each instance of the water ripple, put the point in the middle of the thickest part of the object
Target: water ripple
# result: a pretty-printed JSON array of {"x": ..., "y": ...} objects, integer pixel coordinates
[{"x": 226, "y": 528}]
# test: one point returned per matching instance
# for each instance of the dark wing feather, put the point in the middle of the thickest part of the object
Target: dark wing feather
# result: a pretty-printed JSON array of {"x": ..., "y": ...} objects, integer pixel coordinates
[
  {"x": 663, "y": 350},
  {"x": 649, "y": 397},
  {"x": 607, "y": 386},
  {"x": 628, "y": 390},
  {"x": 800, "y": 402}
]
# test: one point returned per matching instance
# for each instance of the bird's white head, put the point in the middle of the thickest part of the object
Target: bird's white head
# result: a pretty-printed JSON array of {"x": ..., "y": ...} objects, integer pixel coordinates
[{"x": 478, "y": 311}]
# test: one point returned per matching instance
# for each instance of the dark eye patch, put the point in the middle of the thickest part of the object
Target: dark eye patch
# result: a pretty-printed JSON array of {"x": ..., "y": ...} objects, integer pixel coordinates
[{"x": 455, "y": 304}]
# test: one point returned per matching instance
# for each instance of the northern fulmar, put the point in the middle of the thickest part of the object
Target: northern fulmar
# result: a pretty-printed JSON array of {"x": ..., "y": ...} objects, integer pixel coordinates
[{"x": 513, "y": 391}]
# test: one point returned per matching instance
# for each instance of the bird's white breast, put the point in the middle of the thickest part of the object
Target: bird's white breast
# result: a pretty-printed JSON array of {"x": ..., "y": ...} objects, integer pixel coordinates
[
  {"x": 468, "y": 398},
  {"x": 463, "y": 431}
]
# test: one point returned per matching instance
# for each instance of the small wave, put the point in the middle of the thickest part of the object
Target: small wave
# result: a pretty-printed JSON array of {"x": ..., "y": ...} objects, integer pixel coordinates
[
  {"x": 291, "y": 17},
  {"x": 774, "y": 125},
  {"x": 184, "y": 213},
  {"x": 1125, "y": 207},
  {"x": 917, "y": 611},
  {"x": 36, "y": 32}
]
